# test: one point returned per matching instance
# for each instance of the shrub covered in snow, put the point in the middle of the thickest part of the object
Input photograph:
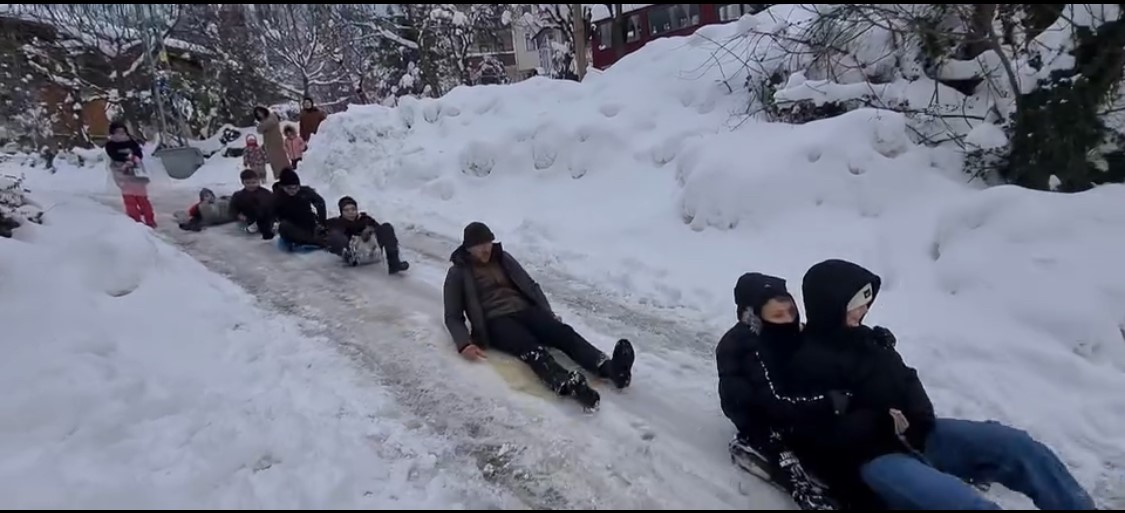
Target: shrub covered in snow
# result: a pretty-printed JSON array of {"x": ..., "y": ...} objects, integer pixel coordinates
[
  {"x": 1049, "y": 78},
  {"x": 16, "y": 207}
]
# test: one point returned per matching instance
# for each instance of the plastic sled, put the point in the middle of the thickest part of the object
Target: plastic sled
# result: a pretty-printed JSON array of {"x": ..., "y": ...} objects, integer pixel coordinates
[
  {"x": 288, "y": 247},
  {"x": 180, "y": 163}
]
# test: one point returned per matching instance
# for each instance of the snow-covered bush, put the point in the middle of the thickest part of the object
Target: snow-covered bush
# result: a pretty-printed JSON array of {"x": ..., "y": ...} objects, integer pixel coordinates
[
  {"x": 15, "y": 206},
  {"x": 1048, "y": 77}
]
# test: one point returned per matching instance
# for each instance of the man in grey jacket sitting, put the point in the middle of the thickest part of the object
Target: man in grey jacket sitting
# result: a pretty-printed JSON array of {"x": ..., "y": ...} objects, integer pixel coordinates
[{"x": 509, "y": 312}]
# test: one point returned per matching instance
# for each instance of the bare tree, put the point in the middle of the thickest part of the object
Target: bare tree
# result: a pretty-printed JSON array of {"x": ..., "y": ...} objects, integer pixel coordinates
[{"x": 303, "y": 48}]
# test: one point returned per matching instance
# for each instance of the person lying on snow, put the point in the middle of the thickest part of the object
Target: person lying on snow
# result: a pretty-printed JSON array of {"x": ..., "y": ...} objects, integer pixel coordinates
[
  {"x": 357, "y": 237},
  {"x": 300, "y": 210},
  {"x": 751, "y": 358},
  {"x": 253, "y": 205},
  {"x": 209, "y": 211},
  {"x": 509, "y": 312},
  {"x": 889, "y": 434}
]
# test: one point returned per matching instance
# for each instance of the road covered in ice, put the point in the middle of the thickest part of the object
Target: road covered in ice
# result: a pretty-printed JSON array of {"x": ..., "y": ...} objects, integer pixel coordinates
[{"x": 655, "y": 445}]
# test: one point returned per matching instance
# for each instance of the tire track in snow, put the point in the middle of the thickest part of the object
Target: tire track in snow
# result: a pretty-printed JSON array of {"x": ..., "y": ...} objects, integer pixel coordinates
[{"x": 660, "y": 444}]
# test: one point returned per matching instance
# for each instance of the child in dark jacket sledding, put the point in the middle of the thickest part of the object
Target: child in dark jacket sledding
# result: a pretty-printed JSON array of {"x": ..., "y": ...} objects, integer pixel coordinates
[
  {"x": 353, "y": 231},
  {"x": 128, "y": 173},
  {"x": 253, "y": 205}
]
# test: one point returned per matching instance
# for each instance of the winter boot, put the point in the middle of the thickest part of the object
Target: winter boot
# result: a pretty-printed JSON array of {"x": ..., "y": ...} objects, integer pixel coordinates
[
  {"x": 619, "y": 369},
  {"x": 394, "y": 264},
  {"x": 581, "y": 391}
]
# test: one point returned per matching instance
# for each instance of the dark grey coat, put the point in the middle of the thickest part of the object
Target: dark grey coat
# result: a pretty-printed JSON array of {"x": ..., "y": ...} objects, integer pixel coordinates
[{"x": 462, "y": 300}]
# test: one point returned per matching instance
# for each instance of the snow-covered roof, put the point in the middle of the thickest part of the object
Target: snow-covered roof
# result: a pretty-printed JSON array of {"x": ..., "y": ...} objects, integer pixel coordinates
[{"x": 598, "y": 12}]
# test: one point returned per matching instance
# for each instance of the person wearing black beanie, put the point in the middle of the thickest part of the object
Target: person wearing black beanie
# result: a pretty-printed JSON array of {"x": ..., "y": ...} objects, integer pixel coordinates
[
  {"x": 751, "y": 359},
  {"x": 358, "y": 237},
  {"x": 508, "y": 311},
  {"x": 300, "y": 210}
]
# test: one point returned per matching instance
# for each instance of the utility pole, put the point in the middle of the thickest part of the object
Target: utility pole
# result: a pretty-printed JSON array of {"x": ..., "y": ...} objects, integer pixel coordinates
[{"x": 577, "y": 12}]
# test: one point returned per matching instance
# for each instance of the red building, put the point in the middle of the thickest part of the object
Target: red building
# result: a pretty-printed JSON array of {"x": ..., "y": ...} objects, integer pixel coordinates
[{"x": 645, "y": 22}]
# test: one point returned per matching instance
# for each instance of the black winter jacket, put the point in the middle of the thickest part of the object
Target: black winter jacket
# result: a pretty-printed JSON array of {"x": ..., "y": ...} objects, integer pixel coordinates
[
  {"x": 119, "y": 151},
  {"x": 351, "y": 228},
  {"x": 298, "y": 208},
  {"x": 834, "y": 357},
  {"x": 753, "y": 363},
  {"x": 253, "y": 205}
]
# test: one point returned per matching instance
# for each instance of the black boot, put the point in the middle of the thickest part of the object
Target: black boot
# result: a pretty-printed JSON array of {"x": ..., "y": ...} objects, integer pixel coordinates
[
  {"x": 581, "y": 391},
  {"x": 619, "y": 369},
  {"x": 394, "y": 264}
]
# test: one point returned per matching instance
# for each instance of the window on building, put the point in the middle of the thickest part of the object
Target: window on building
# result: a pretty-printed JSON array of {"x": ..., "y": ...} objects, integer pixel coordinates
[
  {"x": 633, "y": 31},
  {"x": 673, "y": 17},
  {"x": 730, "y": 12},
  {"x": 529, "y": 42},
  {"x": 633, "y": 28}
]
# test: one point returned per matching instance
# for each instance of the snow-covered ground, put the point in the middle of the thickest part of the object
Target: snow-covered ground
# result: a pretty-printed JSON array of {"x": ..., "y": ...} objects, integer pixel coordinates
[
  {"x": 638, "y": 197},
  {"x": 133, "y": 377}
]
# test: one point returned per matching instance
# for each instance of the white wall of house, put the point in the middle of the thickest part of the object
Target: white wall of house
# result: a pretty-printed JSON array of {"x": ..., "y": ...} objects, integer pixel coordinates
[{"x": 527, "y": 52}]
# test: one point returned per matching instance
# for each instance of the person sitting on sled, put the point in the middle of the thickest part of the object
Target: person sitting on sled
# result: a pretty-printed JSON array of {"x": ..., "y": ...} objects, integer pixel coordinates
[
  {"x": 888, "y": 433},
  {"x": 358, "y": 237},
  {"x": 509, "y": 312},
  {"x": 301, "y": 212},
  {"x": 751, "y": 359},
  {"x": 209, "y": 211},
  {"x": 253, "y": 205}
]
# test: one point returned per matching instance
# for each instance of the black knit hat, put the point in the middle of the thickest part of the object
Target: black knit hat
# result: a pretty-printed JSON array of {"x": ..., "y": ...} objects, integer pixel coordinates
[
  {"x": 116, "y": 125},
  {"x": 477, "y": 233},
  {"x": 346, "y": 200},
  {"x": 288, "y": 177},
  {"x": 248, "y": 174},
  {"x": 754, "y": 290}
]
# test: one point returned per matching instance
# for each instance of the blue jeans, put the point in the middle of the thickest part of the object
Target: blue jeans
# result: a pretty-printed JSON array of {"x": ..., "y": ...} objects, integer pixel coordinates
[{"x": 981, "y": 452}]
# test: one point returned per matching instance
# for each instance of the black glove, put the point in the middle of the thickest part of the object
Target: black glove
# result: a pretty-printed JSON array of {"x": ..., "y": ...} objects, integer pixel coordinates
[
  {"x": 883, "y": 337},
  {"x": 840, "y": 401}
]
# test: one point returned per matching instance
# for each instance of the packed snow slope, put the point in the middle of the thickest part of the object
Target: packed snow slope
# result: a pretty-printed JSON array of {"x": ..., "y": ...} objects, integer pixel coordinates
[
  {"x": 134, "y": 378},
  {"x": 648, "y": 181}
]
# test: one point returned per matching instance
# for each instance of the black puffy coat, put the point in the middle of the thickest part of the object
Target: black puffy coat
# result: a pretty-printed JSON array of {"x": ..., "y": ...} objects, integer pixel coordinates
[
  {"x": 835, "y": 357},
  {"x": 753, "y": 358},
  {"x": 306, "y": 209}
]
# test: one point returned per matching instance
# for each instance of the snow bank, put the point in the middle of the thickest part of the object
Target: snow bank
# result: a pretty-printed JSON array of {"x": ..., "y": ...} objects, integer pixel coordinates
[
  {"x": 648, "y": 181},
  {"x": 134, "y": 378}
]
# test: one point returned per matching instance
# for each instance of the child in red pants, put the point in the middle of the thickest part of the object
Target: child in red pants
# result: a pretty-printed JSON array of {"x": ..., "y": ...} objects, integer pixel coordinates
[{"x": 128, "y": 172}]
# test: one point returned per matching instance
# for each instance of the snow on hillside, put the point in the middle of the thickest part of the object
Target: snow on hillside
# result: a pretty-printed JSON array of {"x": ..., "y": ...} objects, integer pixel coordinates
[
  {"x": 135, "y": 378},
  {"x": 648, "y": 181}
]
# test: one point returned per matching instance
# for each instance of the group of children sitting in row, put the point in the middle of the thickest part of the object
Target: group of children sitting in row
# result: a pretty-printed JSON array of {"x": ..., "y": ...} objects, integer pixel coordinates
[{"x": 297, "y": 213}]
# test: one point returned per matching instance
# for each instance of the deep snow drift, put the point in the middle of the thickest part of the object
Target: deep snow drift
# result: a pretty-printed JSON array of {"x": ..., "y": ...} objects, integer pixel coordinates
[
  {"x": 135, "y": 378},
  {"x": 647, "y": 181}
]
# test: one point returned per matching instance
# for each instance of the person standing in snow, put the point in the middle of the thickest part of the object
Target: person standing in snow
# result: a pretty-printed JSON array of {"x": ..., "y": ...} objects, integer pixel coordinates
[
  {"x": 889, "y": 433},
  {"x": 752, "y": 357},
  {"x": 353, "y": 224},
  {"x": 269, "y": 126},
  {"x": 254, "y": 157},
  {"x": 300, "y": 210},
  {"x": 125, "y": 162},
  {"x": 209, "y": 211},
  {"x": 509, "y": 312},
  {"x": 294, "y": 147},
  {"x": 311, "y": 118},
  {"x": 253, "y": 205}
]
